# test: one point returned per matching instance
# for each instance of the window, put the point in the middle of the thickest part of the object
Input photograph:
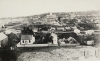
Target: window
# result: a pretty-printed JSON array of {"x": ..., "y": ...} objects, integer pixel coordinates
[
  {"x": 29, "y": 41},
  {"x": 23, "y": 41}
]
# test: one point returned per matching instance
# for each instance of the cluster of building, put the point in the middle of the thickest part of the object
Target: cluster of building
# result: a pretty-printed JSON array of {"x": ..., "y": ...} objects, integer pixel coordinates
[{"x": 48, "y": 25}]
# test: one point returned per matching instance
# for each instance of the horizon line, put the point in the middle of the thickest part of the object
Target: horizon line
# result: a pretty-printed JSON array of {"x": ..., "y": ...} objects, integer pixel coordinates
[{"x": 48, "y": 12}]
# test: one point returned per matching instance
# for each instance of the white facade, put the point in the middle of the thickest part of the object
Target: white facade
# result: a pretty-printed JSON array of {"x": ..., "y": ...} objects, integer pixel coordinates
[
  {"x": 54, "y": 38},
  {"x": 51, "y": 17},
  {"x": 27, "y": 39}
]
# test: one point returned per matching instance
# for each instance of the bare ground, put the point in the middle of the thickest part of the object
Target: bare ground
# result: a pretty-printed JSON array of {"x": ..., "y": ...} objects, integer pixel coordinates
[{"x": 60, "y": 54}]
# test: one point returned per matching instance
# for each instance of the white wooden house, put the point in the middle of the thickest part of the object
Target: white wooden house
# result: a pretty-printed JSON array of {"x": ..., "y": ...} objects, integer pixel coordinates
[{"x": 27, "y": 39}]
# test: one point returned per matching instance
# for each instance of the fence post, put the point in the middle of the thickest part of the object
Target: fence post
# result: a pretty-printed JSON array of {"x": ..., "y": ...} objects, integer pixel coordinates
[
  {"x": 97, "y": 53},
  {"x": 86, "y": 54}
]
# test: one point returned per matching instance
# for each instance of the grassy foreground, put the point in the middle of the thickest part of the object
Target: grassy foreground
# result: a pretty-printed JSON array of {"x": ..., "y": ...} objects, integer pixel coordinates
[{"x": 61, "y": 54}]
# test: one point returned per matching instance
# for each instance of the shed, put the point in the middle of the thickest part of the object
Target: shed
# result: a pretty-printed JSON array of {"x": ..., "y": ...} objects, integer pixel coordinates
[
  {"x": 54, "y": 38},
  {"x": 59, "y": 28}
]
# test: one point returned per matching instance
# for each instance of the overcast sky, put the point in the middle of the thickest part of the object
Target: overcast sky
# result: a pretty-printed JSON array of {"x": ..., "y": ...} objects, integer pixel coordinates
[{"x": 15, "y": 8}]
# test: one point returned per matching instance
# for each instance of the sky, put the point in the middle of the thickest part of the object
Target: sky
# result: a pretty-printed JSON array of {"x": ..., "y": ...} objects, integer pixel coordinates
[{"x": 15, "y": 8}]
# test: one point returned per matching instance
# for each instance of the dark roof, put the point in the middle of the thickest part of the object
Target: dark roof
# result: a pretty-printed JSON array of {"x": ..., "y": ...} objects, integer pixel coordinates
[{"x": 26, "y": 37}]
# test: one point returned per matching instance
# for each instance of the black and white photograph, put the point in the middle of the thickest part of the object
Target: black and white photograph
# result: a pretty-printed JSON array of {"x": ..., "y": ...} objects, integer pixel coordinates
[{"x": 49, "y": 30}]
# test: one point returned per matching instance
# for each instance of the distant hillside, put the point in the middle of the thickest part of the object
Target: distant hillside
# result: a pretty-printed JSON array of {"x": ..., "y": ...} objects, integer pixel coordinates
[
  {"x": 88, "y": 14},
  {"x": 68, "y": 15},
  {"x": 81, "y": 13}
]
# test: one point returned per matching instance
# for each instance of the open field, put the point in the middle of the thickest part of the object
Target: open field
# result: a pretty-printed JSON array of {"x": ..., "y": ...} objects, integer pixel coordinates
[
  {"x": 79, "y": 53},
  {"x": 60, "y": 54}
]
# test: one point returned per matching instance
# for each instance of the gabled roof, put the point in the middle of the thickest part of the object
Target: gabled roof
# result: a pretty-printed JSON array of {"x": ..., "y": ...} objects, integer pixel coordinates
[
  {"x": 2, "y": 36},
  {"x": 26, "y": 37}
]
